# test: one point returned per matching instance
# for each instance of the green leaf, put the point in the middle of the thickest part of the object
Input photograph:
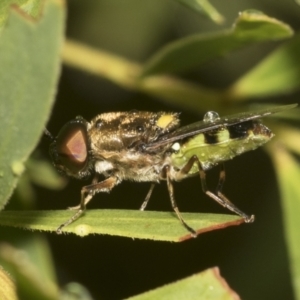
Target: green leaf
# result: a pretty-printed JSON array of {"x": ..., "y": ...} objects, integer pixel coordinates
[
  {"x": 207, "y": 285},
  {"x": 289, "y": 136},
  {"x": 288, "y": 172},
  {"x": 203, "y": 7},
  {"x": 76, "y": 291},
  {"x": 30, "y": 7},
  {"x": 7, "y": 286},
  {"x": 279, "y": 73},
  {"x": 126, "y": 74},
  {"x": 29, "y": 70},
  {"x": 42, "y": 173},
  {"x": 188, "y": 53},
  {"x": 36, "y": 247},
  {"x": 29, "y": 283},
  {"x": 161, "y": 226}
]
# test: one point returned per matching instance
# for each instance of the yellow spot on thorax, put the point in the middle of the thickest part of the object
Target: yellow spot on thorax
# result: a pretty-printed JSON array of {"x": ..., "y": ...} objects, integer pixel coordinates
[{"x": 165, "y": 120}]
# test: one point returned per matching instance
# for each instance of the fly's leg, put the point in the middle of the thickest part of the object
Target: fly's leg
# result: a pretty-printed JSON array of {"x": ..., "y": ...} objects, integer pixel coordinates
[
  {"x": 218, "y": 196},
  {"x": 222, "y": 176},
  {"x": 227, "y": 203},
  {"x": 173, "y": 202},
  {"x": 87, "y": 193},
  {"x": 87, "y": 198},
  {"x": 148, "y": 197}
]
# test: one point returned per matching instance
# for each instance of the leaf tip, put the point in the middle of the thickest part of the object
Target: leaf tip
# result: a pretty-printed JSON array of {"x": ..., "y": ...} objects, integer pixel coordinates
[{"x": 236, "y": 222}]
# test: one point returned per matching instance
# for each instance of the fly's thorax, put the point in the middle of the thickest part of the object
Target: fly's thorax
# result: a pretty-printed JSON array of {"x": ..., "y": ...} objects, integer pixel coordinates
[
  {"x": 129, "y": 130},
  {"x": 216, "y": 146}
]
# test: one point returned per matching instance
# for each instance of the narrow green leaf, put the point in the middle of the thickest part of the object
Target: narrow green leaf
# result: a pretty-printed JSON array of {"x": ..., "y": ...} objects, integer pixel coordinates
[
  {"x": 126, "y": 74},
  {"x": 29, "y": 70},
  {"x": 162, "y": 226},
  {"x": 36, "y": 247},
  {"x": 288, "y": 172},
  {"x": 30, "y": 7},
  {"x": 42, "y": 173},
  {"x": 188, "y": 53},
  {"x": 29, "y": 283},
  {"x": 75, "y": 291},
  {"x": 279, "y": 73},
  {"x": 287, "y": 135},
  {"x": 203, "y": 7},
  {"x": 207, "y": 285},
  {"x": 7, "y": 286}
]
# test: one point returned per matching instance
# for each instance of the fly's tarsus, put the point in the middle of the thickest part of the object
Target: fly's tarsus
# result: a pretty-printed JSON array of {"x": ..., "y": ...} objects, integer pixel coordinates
[{"x": 71, "y": 220}]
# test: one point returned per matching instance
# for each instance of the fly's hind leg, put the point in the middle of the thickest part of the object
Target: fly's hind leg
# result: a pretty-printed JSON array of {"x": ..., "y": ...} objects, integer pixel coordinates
[
  {"x": 173, "y": 202},
  {"x": 87, "y": 193},
  {"x": 227, "y": 203},
  {"x": 218, "y": 196}
]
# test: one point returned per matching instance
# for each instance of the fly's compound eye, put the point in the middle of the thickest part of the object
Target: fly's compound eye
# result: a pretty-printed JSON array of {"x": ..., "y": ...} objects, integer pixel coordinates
[{"x": 70, "y": 149}]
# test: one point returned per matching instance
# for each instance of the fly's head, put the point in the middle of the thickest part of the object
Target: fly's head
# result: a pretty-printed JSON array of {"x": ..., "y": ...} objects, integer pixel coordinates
[{"x": 70, "y": 150}]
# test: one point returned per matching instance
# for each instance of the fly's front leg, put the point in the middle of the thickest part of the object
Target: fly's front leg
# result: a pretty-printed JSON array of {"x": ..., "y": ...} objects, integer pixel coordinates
[
  {"x": 173, "y": 201},
  {"x": 87, "y": 193},
  {"x": 87, "y": 198}
]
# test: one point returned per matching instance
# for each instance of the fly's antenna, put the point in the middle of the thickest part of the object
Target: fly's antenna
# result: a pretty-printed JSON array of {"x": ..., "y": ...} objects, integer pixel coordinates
[{"x": 49, "y": 135}]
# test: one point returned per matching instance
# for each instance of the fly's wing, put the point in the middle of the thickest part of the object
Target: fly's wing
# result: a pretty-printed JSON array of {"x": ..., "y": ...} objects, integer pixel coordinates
[{"x": 202, "y": 126}]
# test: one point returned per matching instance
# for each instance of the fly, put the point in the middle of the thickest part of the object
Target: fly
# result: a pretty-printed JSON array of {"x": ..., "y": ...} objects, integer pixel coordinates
[{"x": 150, "y": 147}]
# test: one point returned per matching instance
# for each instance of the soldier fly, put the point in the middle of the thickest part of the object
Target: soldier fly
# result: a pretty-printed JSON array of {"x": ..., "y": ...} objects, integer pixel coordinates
[{"x": 149, "y": 147}]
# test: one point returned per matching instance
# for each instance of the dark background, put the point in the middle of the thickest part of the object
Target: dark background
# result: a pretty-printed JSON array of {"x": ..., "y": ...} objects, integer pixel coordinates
[{"x": 251, "y": 257}]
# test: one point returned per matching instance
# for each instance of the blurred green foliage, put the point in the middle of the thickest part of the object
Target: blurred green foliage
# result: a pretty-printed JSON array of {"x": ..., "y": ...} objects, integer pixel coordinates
[{"x": 150, "y": 55}]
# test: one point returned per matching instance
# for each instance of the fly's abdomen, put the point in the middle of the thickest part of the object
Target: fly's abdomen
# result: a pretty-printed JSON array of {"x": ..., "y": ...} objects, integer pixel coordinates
[{"x": 220, "y": 145}]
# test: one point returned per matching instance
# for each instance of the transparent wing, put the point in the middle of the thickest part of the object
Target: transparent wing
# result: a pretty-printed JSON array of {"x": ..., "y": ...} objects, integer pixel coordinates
[{"x": 201, "y": 126}]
